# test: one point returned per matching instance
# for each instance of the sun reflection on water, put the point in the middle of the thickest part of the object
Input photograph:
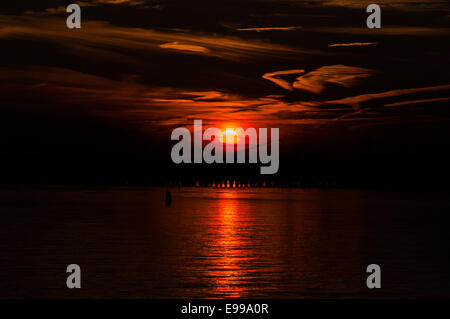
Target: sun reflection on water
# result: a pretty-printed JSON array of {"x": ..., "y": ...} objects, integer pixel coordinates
[{"x": 230, "y": 268}]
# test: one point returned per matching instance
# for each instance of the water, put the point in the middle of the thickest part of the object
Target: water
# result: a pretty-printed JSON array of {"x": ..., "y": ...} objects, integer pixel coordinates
[{"x": 212, "y": 243}]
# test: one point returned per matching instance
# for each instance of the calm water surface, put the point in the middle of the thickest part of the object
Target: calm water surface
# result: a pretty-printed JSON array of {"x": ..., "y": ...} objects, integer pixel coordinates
[{"x": 212, "y": 243}]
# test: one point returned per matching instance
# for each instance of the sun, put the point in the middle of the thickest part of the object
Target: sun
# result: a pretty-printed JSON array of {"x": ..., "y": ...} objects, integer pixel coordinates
[{"x": 229, "y": 136}]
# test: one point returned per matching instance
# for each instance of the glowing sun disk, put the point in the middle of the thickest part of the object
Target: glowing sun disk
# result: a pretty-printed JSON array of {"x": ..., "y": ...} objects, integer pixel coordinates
[{"x": 228, "y": 136}]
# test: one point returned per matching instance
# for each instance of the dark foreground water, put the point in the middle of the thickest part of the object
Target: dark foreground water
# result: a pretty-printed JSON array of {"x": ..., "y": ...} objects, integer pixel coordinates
[{"x": 276, "y": 243}]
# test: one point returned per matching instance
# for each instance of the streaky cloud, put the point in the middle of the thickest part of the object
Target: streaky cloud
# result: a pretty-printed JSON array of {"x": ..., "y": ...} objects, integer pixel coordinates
[
  {"x": 105, "y": 39},
  {"x": 315, "y": 81},
  {"x": 262, "y": 29},
  {"x": 184, "y": 47},
  {"x": 410, "y": 102},
  {"x": 393, "y": 93},
  {"x": 351, "y": 44},
  {"x": 274, "y": 77},
  {"x": 387, "y": 30}
]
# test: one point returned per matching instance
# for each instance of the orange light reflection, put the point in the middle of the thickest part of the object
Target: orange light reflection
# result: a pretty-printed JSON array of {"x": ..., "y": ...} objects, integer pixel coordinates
[{"x": 230, "y": 268}]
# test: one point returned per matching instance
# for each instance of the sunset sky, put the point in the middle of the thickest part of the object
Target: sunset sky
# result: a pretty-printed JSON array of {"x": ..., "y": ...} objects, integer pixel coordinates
[{"x": 137, "y": 69}]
